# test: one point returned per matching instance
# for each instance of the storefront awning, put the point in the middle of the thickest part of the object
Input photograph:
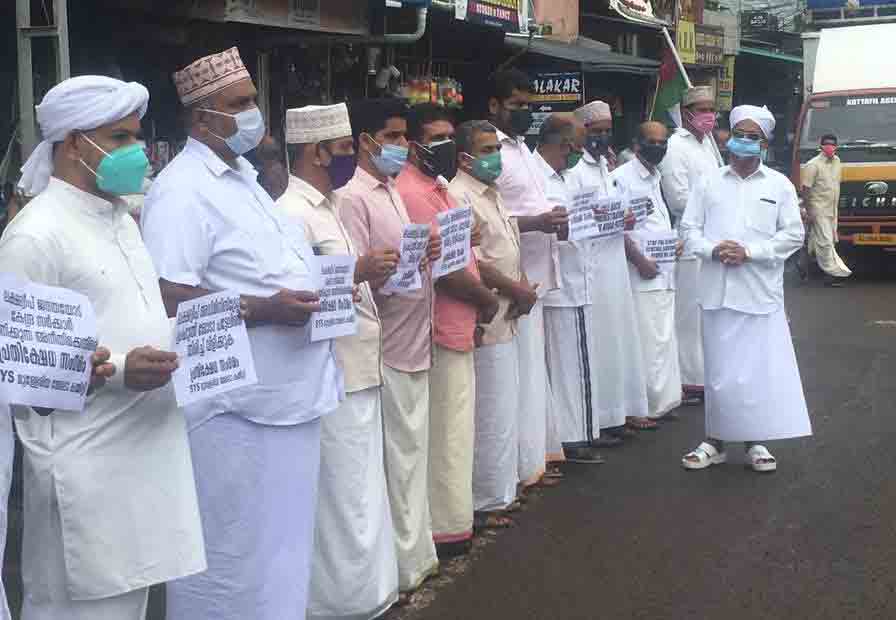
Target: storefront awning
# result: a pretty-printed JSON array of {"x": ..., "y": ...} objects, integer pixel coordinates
[
  {"x": 756, "y": 51},
  {"x": 594, "y": 56}
]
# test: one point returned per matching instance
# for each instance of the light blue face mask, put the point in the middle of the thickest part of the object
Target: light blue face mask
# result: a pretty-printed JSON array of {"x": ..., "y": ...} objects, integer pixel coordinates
[
  {"x": 250, "y": 130},
  {"x": 391, "y": 159},
  {"x": 744, "y": 148}
]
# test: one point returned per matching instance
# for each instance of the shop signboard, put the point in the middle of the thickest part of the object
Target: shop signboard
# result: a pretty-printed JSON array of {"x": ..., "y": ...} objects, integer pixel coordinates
[
  {"x": 710, "y": 43},
  {"x": 692, "y": 11},
  {"x": 508, "y": 15},
  {"x": 639, "y": 10},
  {"x": 554, "y": 92},
  {"x": 686, "y": 42},
  {"x": 725, "y": 95}
]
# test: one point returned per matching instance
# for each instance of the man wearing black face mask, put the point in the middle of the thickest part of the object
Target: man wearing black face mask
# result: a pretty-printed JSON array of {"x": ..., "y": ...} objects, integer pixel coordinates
[{"x": 653, "y": 291}]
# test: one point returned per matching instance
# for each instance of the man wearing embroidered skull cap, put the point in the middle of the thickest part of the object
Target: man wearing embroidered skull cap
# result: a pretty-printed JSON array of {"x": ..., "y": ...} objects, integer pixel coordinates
[
  {"x": 354, "y": 547},
  {"x": 211, "y": 227},
  {"x": 96, "y": 482},
  {"x": 743, "y": 222},
  {"x": 691, "y": 155}
]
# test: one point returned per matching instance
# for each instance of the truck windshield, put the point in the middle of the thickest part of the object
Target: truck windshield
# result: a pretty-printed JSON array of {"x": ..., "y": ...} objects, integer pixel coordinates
[{"x": 854, "y": 120}]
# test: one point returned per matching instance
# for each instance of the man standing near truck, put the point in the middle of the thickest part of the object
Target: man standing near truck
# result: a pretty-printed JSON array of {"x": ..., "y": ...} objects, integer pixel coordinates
[{"x": 820, "y": 189}]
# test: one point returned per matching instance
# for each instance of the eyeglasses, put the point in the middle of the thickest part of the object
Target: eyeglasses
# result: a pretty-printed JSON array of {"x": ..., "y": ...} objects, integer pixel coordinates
[{"x": 756, "y": 137}]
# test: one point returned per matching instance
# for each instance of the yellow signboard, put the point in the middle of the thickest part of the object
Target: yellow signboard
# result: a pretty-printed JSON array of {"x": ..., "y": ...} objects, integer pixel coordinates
[
  {"x": 726, "y": 84},
  {"x": 686, "y": 42}
]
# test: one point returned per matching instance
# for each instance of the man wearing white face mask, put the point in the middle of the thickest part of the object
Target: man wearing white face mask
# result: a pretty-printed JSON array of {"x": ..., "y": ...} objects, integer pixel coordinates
[{"x": 210, "y": 226}]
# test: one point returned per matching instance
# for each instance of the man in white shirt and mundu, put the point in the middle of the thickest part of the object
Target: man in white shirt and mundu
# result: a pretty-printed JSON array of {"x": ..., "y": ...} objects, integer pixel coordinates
[
  {"x": 110, "y": 500},
  {"x": 210, "y": 227},
  {"x": 742, "y": 223}
]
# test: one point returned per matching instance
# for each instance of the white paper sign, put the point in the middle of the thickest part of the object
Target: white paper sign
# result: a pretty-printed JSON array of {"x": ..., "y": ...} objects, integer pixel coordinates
[
  {"x": 582, "y": 217},
  {"x": 414, "y": 240},
  {"x": 642, "y": 208},
  {"x": 212, "y": 345},
  {"x": 661, "y": 247},
  {"x": 335, "y": 282},
  {"x": 610, "y": 217},
  {"x": 47, "y": 336},
  {"x": 456, "y": 229}
]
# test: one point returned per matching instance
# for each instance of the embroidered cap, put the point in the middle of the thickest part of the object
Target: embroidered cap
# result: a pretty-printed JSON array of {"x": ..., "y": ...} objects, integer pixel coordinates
[
  {"x": 698, "y": 94},
  {"x": 593, "y": 112},
  {"x": 316, "y": 123},
  {"x": 210, "y": 75}
]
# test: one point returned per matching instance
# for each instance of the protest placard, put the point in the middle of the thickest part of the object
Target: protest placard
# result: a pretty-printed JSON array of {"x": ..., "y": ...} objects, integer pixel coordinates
[
  {"x": 582, "y": 217},
  {"x": 212, "y": 345},
  {"x": 414, "y": 240},
  {"x": 610, "y": 217},
  {"x": 661, "y": 247},
  {"x": 642, "y": 208},
  {"x": 455, "y": 228},
  {"x": 335, "y": 283},
  {"x": 47, "y": 336}
]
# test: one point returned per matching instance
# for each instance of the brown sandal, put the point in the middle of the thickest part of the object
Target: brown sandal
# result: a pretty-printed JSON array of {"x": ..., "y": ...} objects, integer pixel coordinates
[{"x": 491, "y": 521}]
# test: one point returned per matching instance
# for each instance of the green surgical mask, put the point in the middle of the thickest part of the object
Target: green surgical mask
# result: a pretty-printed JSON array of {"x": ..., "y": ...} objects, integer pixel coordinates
[
  {"x": 122, "y": 171},
  {"x": 487, "y": 168},
  {"x": 572, "y": 159}
]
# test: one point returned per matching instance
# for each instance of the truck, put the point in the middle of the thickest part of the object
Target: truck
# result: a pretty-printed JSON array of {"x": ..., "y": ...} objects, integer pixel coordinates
[{"x": 850, "y": 91}]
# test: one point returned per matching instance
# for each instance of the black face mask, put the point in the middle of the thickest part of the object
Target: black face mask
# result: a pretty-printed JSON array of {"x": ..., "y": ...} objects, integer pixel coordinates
[
  {"x": 520, "y": 121},
  {"x": 597, "y": 146},
  {"x": 439, "y": 159},
  {"x": 652, "y": 153}
]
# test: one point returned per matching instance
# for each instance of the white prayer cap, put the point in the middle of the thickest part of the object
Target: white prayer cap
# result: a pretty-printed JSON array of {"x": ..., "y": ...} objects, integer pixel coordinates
[
  {"x": 761, "y": 116},
  {"x": 697, "y": 94},
  {"x": 80, "y": 103},
  {"x": 593, "y": 112},
  {"x": 316, "y": 123},
  {"x": 209, "y": 75}
]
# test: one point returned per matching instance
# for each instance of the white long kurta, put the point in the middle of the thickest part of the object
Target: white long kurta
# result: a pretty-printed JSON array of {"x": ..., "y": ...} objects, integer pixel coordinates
[
  {"x": 617, "y": 369},
  {"x": 686, "y": 161},
  {"x": 754, "y": 392},
  {"x": 7, "y": 448}
]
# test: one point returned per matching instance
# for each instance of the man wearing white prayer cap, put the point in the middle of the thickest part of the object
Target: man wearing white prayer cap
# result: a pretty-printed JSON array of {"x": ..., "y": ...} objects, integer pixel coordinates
[
  {"x": 354, "y": 548},
  {"x": 211, "y": 227},
  {"x": 618, "y": 385},
  {"x": 691, "y": 155},
  {"x": 98, "y": 481},
  {"x": 742, "y": 223}
]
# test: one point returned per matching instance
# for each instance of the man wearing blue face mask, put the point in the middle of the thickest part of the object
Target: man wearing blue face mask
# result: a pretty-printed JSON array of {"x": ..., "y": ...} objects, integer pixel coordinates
[
  {"x": 211, "y": 227},
  {"x": 97, "y": 481},
  {"x": 742, "y": 223},
  {"x": 355, "y": 545}
]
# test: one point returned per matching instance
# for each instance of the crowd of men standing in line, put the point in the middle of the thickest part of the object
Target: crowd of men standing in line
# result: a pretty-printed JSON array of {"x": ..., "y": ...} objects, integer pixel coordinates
[{"x": 336, "y": 483}]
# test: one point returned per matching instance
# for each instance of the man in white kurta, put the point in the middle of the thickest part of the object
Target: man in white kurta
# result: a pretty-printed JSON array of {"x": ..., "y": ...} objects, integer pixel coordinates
[
  {"x": 569, "y": 334},
  {"x": 743, "y": 222},
  {"x": 618, "y": 386},
  {"x": 97, "y": 482},
  {"x": 210, "y": 227},
  {"x": 820, "y": 187},
  {"x": 522, "y": 191},
  {"x": 653, "y": 290},
  {"x": 691, "y": 155},
  {"x": 354, "y": 570}
]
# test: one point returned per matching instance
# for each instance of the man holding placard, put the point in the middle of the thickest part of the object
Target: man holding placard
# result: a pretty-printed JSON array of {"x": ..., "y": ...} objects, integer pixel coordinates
[
  {"x": 97, "y": 481},
  {"x": 354, "y": 543},
  {"x": 651, "y": 249},
  {"x": 375, "y": 216},
  {"x": 618, "y": 389},
  {"x": 460, "y": 300},
  {"x": 212, "y": 228}
]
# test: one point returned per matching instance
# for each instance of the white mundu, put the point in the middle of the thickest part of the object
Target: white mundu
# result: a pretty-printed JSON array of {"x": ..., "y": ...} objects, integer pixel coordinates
[
  {"x": 687, "y": 160},
  {"x": 618, "y": 389},
  {"x": 753, "y": 388}
]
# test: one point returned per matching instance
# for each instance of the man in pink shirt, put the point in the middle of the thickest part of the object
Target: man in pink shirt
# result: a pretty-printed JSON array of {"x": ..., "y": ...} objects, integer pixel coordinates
[
  {"x": 374, "y": 215},
  {"x": 460, "y": 300},
  {"x": 521, "y": 186}
]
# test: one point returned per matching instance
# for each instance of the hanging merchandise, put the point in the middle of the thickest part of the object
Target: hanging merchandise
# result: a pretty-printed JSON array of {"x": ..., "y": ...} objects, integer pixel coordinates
[{"x": 445, "y": 91}]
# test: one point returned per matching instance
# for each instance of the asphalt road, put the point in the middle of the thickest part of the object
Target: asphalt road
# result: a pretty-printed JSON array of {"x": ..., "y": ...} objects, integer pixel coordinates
[{"x": 640, "y": 538}]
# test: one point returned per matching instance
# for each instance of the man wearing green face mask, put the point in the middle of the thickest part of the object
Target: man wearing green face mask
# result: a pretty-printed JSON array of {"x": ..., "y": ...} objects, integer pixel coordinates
[
  {"x": 496, "y": 355},
  {"x": 127, "y": 452}
]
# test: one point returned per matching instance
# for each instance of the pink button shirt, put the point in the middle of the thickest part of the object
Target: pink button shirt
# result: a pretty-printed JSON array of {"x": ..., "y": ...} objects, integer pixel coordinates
[
  {"x": 374, "y": 215},
  {"x": 454, "y": 321}
]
